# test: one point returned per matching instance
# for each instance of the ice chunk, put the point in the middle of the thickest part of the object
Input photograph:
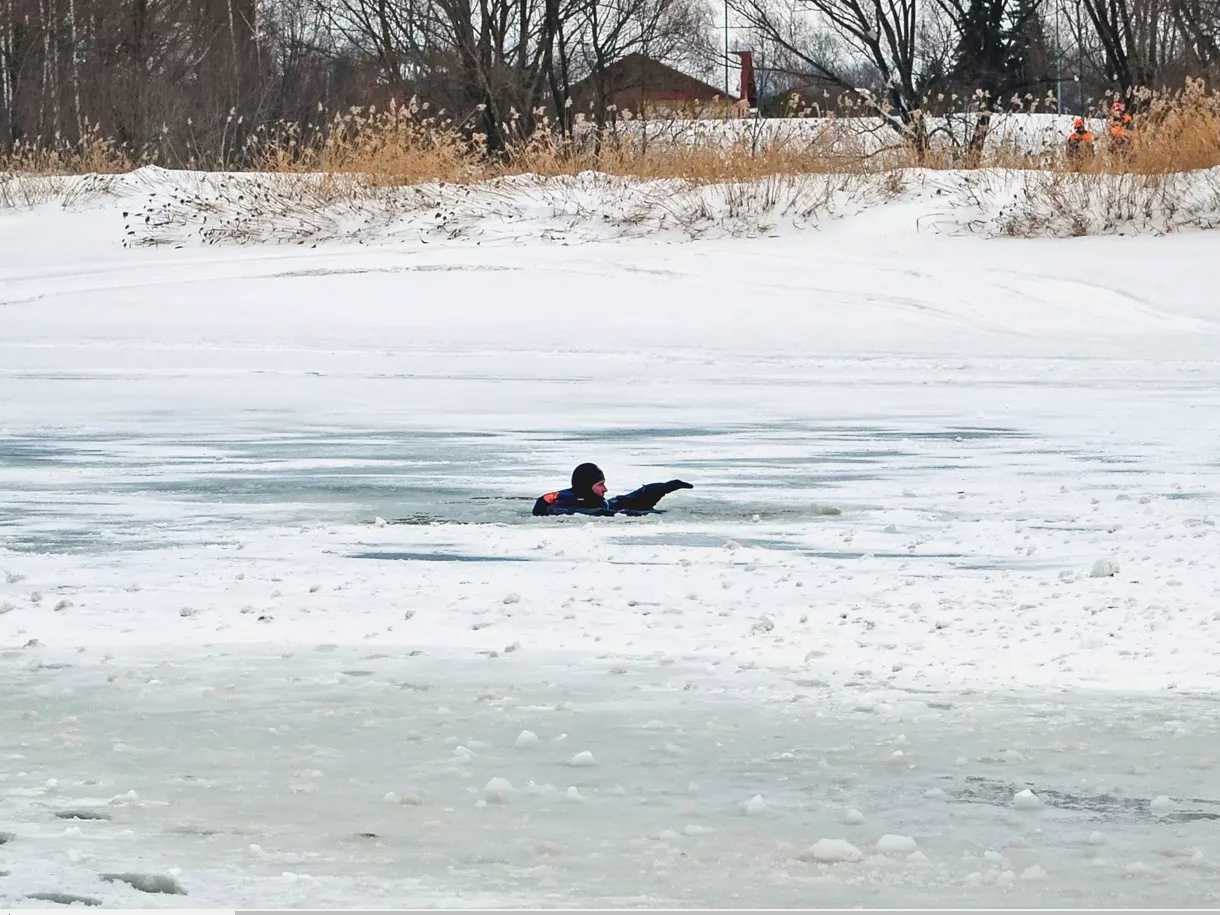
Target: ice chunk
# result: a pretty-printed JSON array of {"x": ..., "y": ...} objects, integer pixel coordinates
[
  {"x": 692, "y": 829},
  {"x": 583, "y": 758},
  {"x": 936, "y": 794},
  {"x": 755, "y": 806},
  {"x": 832, "y": 851},
  {"x": 573, "y": 794},
  {"x": 1104, "y": 568},
  {"x": 891, "y": 844},
  {"x": 1139, "y": 869},
  {"x": 497, "y": 790},
  {"x": 1026, "y": 800},
  {"x": 1033, "y": 872},
  {"x": 852, "y": 817},
  {"x": 1161, "y": 805},
  {"x": 526, "y": 739}
]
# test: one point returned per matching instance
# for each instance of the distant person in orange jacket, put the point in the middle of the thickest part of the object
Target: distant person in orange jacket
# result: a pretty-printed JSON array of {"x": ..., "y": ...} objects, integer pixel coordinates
[
  {"x": 1080, "y": 141},
  {"x": 1120, "y": 127}
]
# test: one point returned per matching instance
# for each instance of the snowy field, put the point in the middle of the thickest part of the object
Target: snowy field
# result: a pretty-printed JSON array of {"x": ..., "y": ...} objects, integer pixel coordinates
[
  {"x": 1022, "y": 133},
  {"x": 274, "y": 615}
]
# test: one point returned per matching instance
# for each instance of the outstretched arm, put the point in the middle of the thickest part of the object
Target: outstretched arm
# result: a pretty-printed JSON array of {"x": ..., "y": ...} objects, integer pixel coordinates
[{"x": 646, "y": 497}]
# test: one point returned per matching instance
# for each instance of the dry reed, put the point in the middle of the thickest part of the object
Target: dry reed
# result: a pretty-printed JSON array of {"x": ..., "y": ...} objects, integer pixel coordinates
[{"x": 408, "y": 144}]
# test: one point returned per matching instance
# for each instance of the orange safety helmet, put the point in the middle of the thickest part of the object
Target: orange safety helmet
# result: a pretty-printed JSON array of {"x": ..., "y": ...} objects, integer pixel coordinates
[{"x": 1078, "y": 123}]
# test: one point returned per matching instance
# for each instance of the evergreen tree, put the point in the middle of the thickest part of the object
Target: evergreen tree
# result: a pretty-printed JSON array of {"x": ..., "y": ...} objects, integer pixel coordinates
[{"x": 1001, "y": 49}]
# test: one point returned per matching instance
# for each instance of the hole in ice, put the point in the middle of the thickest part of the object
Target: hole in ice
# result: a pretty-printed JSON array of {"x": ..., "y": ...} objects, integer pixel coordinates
[
  {"x": 64, "y": 899},
  {"x": 436, "y": 557},
  {"x": 81, "y": 814},
  {"x": 148, "y": 883}
]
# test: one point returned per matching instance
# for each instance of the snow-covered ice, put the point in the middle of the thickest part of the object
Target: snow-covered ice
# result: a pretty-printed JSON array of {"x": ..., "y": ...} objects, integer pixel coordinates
[{"x": 276, "y": 627}]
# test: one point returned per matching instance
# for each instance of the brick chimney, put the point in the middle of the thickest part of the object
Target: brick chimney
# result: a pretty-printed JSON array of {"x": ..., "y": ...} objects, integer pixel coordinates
[{"x": 749, "y": 88}]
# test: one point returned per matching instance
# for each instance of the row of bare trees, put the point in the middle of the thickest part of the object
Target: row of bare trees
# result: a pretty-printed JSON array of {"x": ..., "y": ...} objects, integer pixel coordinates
[
  {"x": 500, "y": 63},
  {"x": 921, "y": 56},
  {"x": 189, "y": 80}
]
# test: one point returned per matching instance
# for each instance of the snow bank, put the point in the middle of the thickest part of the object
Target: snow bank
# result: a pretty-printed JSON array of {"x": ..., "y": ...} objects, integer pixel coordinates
[
  {"x": 169, "y": 209},
  {"x": 1022, "y": 134},
  {"x": 217, "y": 209}
]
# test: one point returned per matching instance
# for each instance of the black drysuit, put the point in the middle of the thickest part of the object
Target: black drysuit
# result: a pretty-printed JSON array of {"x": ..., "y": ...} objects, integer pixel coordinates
[{"x": 581, "y": 500}]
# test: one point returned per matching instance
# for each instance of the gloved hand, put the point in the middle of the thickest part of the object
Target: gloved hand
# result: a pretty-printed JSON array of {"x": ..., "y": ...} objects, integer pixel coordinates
[{"x": 646, "y": 497}]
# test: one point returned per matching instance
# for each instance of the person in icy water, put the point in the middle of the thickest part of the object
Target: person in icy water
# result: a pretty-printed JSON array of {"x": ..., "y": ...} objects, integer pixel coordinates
[{"x": 588, "y": 496}]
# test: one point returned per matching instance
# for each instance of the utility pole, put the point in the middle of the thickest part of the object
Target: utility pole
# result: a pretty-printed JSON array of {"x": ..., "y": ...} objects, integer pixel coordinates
[
  {"x": 726, "y": 50},
  {"x": 1058, "y": 59}
]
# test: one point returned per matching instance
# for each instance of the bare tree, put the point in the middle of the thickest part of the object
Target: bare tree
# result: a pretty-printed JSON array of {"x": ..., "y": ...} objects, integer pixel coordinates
[
  {"x": 882, "y": 32},
  {"x": 1198, "y": 23},
  {"x": 606, "y": 31},
  {"x": 1137, "y": 37}
]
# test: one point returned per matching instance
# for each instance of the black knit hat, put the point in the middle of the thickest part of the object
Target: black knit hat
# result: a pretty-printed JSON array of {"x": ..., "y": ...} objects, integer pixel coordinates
[{"x": 586, "y": 476}]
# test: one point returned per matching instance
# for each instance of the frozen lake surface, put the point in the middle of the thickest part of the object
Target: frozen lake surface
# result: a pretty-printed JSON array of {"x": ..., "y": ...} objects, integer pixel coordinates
[{"x": 274, "y": 614}]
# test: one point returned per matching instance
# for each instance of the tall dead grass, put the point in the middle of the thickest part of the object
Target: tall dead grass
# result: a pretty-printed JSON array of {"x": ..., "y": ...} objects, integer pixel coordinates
[{"x": 410, "y": 144}]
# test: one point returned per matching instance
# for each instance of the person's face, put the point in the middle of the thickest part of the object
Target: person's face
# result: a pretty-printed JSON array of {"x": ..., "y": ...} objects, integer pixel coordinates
[{"x": 599, "y": 489}]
